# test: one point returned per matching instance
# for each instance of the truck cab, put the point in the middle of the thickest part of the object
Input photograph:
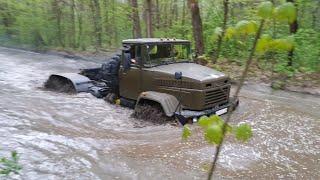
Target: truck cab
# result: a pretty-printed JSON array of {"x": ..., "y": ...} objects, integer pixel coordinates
[
  {"x": 139, "y": 56},
  {"x": 153, "y": 65}
]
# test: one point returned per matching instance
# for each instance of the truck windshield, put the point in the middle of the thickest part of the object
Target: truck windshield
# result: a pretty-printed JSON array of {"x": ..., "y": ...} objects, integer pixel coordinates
[{"x": 161, "y": 54}]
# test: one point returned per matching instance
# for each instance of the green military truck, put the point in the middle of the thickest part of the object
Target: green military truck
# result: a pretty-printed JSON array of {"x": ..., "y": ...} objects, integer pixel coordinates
[{"x": 153, "y": 75}]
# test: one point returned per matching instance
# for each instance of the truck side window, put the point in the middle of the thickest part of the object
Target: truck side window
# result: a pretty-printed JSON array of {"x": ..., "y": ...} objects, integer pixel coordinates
[
  {"x": 137, "y": 56},
  {"x": 131, "y": 56},
  {"x": 132, "y": 51}
]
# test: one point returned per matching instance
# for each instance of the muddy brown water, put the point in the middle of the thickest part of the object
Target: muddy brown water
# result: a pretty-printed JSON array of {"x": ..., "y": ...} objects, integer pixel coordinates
[{"x": 61, "y": 136}]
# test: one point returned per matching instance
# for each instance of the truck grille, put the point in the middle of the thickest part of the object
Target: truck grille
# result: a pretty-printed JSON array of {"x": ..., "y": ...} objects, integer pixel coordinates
[{"x": 216, "y": 96}]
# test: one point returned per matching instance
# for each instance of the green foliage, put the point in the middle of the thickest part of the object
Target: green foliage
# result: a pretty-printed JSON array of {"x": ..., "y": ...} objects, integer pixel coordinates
[
  {"x": 216, "y": 34},
  {"x": 213, "y": 134},
  {"x": 213, "y": 130},
  {"x": 34, "y": 24},
  {"x": 8, "y": 166},
  {"x": 186, "y": 132},
  {"x": 246, "y": 27},
  {"x": 230, "y": 32},
  {"x": 205, "y": 121},
  {"x": 307, "y": 51},
  {"x": 265, "y": 10},
  {"x": 218, "y": 31},
  {"x": 263, "y": 44},
  {"x": 286, "y": 12},
  {"x": 281, "y": 45},
  {"x": 266, "y": 43},
  {"x": 243, "y": 132}
]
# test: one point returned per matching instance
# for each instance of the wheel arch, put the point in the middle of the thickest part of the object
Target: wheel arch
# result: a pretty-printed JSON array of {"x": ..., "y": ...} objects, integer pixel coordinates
[
  {"x": 167, "y": 102},
  {"x": 79, "y": 82}
]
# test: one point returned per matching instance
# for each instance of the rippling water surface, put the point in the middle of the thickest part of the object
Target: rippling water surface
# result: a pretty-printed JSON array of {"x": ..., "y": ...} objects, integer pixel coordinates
[{"x": 63, "y": 136}]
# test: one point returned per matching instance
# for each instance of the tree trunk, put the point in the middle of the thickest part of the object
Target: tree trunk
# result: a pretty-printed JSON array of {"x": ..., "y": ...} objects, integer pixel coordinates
[
  {"x": 114, "y": 22},
  {"x": 293, "y": 29},
  {"x": 80, "y": 22},
  {"x": 149, "y": 18},
  {"x": 58, "y": 16},
  {"x": 7, "y": 17},
  {"x": 175, "y": 10},
  {"x": 224, "y": 27},
  {"x": 135, "y": 19},
  {"x": 314, "y": 15},
  {"x": 106, "y": 21},
  {"x": 73, "y": 25},
  {"x": 158, "y": 14},
  {"x": 183, "y": 19},
  {"x": 95, "y": 8},
  {"x": 197, "y": 26},
  {"x": 165, "y": 17}
]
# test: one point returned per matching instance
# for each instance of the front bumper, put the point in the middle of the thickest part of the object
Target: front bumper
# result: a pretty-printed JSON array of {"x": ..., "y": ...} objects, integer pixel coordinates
[{"x": 184, "y": 116}]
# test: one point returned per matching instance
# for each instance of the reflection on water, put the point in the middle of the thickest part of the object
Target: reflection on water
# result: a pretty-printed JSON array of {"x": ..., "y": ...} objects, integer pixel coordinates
[{"x": 81, "y": 137}]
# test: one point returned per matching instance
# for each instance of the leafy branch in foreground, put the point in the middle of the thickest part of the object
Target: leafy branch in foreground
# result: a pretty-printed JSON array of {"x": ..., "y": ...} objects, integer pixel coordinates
[
  {"x": 214, "y": 127},
  {"x": 213, "y": 130},
  {"x": 11, "y": 165}
]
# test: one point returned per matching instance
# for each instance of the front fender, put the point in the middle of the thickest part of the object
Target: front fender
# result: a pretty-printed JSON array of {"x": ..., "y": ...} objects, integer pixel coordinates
[
  {"x": 168, "y": 102},
  {"x": 78, "y": 82}
]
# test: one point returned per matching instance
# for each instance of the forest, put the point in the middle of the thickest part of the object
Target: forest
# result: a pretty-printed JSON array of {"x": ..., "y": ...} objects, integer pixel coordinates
[{"x": 100, "y": 25}]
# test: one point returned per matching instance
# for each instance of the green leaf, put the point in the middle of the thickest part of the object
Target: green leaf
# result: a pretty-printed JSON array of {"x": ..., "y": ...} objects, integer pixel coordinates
[
  {"x": 241, "y": 27},
  {"x": 206, "y": 121},
  {"x": 5, "y": 171},
  {"x": 246, "y": 27},
  {"x": 213, "y": 134},
  {"x": 243, "y": 132},
  {"x": 286, "y": 12},
  {"x": 252, "y": 27},
  {"x": 265, "y": 10},
  {"x": 281, "y": 45},
  {"x": 14, "y": 156},
  {"x": 217, "y": 120},
  {"x": 230, "y": 32},
  {"x": 10, "y": 165},
  {"x": 263, "y": 44},
  {"x": 186, "y": 132}
]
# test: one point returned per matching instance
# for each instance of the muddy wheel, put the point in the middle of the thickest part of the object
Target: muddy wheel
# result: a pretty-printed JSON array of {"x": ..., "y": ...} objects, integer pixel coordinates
[
  {"x": 111, "y": 98},
  {"x": 59, "y": 84},
  {"x": 152, "y": 113}
]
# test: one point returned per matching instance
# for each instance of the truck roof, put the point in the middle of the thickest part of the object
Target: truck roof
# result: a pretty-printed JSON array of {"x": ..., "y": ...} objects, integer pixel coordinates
[{"x": 154, "y": 41}]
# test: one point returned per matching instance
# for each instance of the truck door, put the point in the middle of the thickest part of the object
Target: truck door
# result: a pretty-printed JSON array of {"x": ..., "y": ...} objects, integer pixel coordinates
[{"x": 130, "y": 80}]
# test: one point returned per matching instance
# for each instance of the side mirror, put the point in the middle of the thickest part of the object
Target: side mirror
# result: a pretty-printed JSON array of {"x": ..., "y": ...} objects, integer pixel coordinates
[{"x": 178, "y": 75}]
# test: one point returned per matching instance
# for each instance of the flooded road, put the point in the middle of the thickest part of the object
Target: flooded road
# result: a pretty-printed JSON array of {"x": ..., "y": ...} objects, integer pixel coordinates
[{"x": 62, "y": 136}]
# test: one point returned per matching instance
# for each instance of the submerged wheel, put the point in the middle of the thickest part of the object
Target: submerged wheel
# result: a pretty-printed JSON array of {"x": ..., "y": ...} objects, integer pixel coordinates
[
  {"x": 111, "y": 98},
  {"x": 59, "y": 84},
  {"x": 152, "y": 113}
]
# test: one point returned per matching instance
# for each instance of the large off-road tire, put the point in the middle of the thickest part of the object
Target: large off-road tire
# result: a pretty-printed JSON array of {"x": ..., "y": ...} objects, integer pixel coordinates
[
  {"x": 59, "y": 84},
  {"x": 152, "y": 113},
  {"x": 111, "y": 98}
]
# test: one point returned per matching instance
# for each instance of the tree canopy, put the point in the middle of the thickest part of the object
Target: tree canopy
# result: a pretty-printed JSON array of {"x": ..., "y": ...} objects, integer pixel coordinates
[{"x": 102, "y": 24}]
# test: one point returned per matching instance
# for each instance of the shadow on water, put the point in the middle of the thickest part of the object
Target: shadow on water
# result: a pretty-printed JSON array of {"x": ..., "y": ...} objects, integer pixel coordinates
[{"x": 81, "y": 137}]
